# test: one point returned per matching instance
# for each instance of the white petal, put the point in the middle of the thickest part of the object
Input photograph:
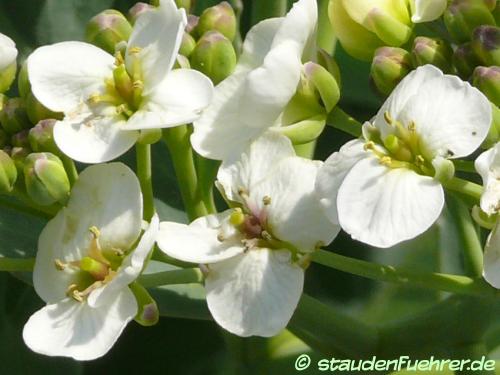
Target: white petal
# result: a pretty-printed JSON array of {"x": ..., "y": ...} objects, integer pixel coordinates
[
  {"x": 130, "y": 269},
  {"x": 488, "y": 166},
  {"x": 178, "y": 99},
  {"x": 428, "y": 10},
  {"x": 8, "y": 51},
  {"x": 158, "y": 33},
  {"x": 382, "y": 206},
  {"x": 361, "y": 10},
  {"x": 254, "y": 294},
  {"x": 491, "y": 259},
  {"x": 332, "y": 174},
  {"x": 93, "y": 139},
  {"x": 198, "y": 242},
  {"x": 294, "y": 214},
  {"x": 76, "y": 330},
  {"x": 244, "y": 170},
  {"x": 64, "y": 75}
]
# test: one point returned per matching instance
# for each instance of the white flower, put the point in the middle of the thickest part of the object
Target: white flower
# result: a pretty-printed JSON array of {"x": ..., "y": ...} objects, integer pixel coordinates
[
  {"x": 254, "y": 282},
  {"x": 8, "y": 52},
  {"x": 488, "y": 166},
  {"x": 86, "y": 261},
  {"x": 78, "y": 79},
  {"x": 250, "y": 101},
  {"x": 427, "y": 10},
  {"x": 381, "y": 189},
  {"x": 491, "y": 260}
]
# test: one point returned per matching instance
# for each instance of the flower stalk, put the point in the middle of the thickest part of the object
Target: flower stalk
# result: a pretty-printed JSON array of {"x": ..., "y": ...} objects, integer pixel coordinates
[{"x": 143, "y": 154}]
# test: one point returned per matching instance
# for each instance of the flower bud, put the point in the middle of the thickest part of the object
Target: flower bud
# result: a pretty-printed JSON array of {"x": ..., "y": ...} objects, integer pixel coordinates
[
  {"x": 494, "y": 133},
  {"x": 324, "y": 85},
  {"x": 41, "y": 137},
  {"x": 186, "y": 4},
  {"x": 19, "y": 155},
  {"x": 486, "y": 44},
  {"x": 465, "y": 60},
  {"x": 23, "y": 82},
  {"x": 107, "y": 29},
  {"x": 13, "y": 116},
  {"x": 187, "y": 46},
  {"x": 487, "y": 79},
  {"x": 46, "y": 179},
  {"x": 148, "y": 313},
  {"x": 20, "y": 139},
  {"x": 137, "y": 10},
  {"x": 219, "y": 18},
  {"x": 431, "y": 51},
  {"x": 36, "y": 111},
  {"x": 214, "y": 56},
  {"x": 8, "y": 63},
  {"x": 463, "y": 16},
  {"x": 490, "y": 4},
  {"x": 192, "y": 22},
  {"x": 390, "y": 65},
  {"x": 328, "y": 62},
  {"x": 8, "y": 173}
]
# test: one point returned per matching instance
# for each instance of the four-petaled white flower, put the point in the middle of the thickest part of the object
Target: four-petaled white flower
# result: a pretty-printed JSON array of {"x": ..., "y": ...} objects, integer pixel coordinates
[
  {"x": 251, "y": 252},
  {"x": 251, "y": 100},
  {"x": 101, "y": 96},
  {"x": 8, "y": 52},
  {"x": 86, "y": 261},
  {"x": 488, "y": 166},
  {"x": 381, "y": 189}
]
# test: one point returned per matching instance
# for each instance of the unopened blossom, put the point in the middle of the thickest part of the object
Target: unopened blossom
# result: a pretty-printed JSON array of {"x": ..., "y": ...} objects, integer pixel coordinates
[
  {"x": 8, "y": 52},
  {"x": 86, "y": 259},
  {"x": 102, "y": 95},
  {"x": 488, "y": 166},
  {"x": 385, "y": 187},
  {"x": 252, "y": 252},
  {"x": 250, "y": 101}
]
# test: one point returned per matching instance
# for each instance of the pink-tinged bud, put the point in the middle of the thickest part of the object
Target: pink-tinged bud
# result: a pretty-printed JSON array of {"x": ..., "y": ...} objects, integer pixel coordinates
[
  {"x": 148, "y": 313},
  {"x": 8, "y": 173},
  {"x": 192, "y": 23},
  {"x": 432, "y": 51},
  {"x": 487, "y": 79},
  {"x": 107, "y": 29},
  {"x": 41, "y": 137},
  {"x": 137, "y": 10},
  {"x": 219, "y": 18},
  {"x": 463, "y": 16},
  {"x": 20, "y": 139},
  {"x": 486, "y": 44},
  {"x": 389, "y": 66}
]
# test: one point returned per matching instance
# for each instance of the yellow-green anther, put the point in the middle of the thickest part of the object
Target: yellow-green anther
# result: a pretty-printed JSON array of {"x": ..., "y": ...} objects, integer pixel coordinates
[
  {"x": 124, "y": 109},
  {"x": 237, "y": 217},
  {"x": 219, "y": 18},
  {"x": 463, "y": 16},
  {"x": 8, "y": 173},
  {"x": 486, "y": 44},
  {"x": 123, "y": 83},
  {"x": 389, "y": 66},
  {"x": 487, "y": 79},
  {"x": 148, "y": 313},
  {"x": 107, "y": 29},
  {"x": 433, "y": 51},
  {"x": 96, "y": 269},
  {"x": 388, "y": 118},
  {"x": 13, "y": 116}
]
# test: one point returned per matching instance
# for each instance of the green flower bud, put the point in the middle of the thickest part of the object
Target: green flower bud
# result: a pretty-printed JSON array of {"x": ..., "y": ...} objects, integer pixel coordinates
[
  {"x": 214, "y": 56},
  {"x": 23, "y": 82},
  {"x": 324, "y": 85},
  {"x": 20, "y": 139},
  {"x": 487, "y": 79},
  {"x": 328, "y": 62},
  {"x": 13, "y": 116},
  {"x": 219, "y": 18},
  {"x": 137, "y": 10},
  {"x": 46, "y": 179},
  {"x": 148, "y": 313},
  {"x": 431, "y": 51},
  {"x": 494, "y": 133},
  {"x": 465, "y": 60},
  {"x": 192, "y": 22},
  {"x": 181, "y": 62},
  {"x": 19, "y": 155},
  {"x": 187, "y": 46},
  {"x": 186, "y": 4},
  {"x": 486, "y": 44},
  {"x": 8, "y": 173},
  {"x": 107, "y": 29},
  {"x": 41, "y": 137},
  {"x": 7, "y": 76},
  {"x": 36, "y": 111},
  {"x": 490, "y": 4},
  {"x": 390, "y": 65},
  {"x": 463, "y": 16}
]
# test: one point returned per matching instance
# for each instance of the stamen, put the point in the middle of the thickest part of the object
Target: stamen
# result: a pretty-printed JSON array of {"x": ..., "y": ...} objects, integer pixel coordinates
[
  {"x": 60, "y": 266},
  {"x": 266, "y": 200},
  {"x": 388, "y": 118},
  {"x": 134, "y": 50},
  {"x": 138, "y": 84},
  {"x": 119, "y": 59},
  {"x": 220, "y": 237}
]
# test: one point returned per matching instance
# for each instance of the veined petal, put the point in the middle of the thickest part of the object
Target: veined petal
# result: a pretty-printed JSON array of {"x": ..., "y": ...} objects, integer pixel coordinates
[
  {"x": 64, "y": 75},
  {"x": 178, "y": 99},
  {"x": 292, "y": 209},
  {"x": 8, "y": 51},
  {"x": 427, "y": 10},
  {"x": 201, "y": 241},
  {"x": 130, "y": 269},
  {"x": 245, "y": 170},
  {"x": 382, "y": 206},
  {"x": 332, "y": 174},
  {"x": 158, "y": 35},
  {"x": 255, "y": 293},
  {"x": 93, "y": 139},
  {"x": 491, "y": 269},
  {"x": 488, "y": 166},
  {"x": 74, "y": 329}
]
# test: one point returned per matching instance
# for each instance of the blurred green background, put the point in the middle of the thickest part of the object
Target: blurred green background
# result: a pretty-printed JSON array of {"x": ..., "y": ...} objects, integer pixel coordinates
[{"x": 197, "y": 346}]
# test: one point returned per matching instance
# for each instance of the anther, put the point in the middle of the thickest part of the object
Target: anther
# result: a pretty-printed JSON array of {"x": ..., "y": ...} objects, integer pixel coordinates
[
  {"x": 220, "y": 237},
  {"x": 134, "y": 50},
  {"x": 266, "y": 200},
  {"x": 60, "y": 266},
  {"x": 265, "y": 235},
  {"x": 388, "y": 118}
]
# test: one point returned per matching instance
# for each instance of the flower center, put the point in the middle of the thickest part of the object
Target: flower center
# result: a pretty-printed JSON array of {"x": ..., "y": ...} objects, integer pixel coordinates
[
  {"x": 94, "y": 270},
  {"x": 400, "y": 149}
]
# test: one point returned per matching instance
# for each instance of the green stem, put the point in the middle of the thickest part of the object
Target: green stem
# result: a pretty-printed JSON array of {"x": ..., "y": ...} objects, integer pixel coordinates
[
  {"x": 326, "y": 37},
  {"x": 160, "y": 256},
  {"x": 464, "y": 166},
  {"x": 464, "y": 187},
  {"x": 177, "y": 140},
  {"x": 143, "y": 155},
  {"x": 262, "y": 9},
  {"x": 436, "y": 281},
  {"x": 23, "y": 208},
  {"x": 16, "y": 264},
  {"x": 473, "y": 250},
  {"x": 207, "y": 173},
  {"x": 70, "y": 168},
  {"x": 186, "y": 276},
  {"x": 340, "y": 120}
]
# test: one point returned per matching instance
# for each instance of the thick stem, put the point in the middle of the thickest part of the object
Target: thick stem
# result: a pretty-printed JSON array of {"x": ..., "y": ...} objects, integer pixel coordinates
[
  {"x": 16, "y": 264},
  {"x": 436, "y": 281},
  {"x": 177, "y": 140},
  {"x": 186, "y": 276},
  {"x": 207, "y": 173},
  {"x": 464, "y": 187},
  {"x": 143, "y": 154},
  {"x": 338, "y": 119}
]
